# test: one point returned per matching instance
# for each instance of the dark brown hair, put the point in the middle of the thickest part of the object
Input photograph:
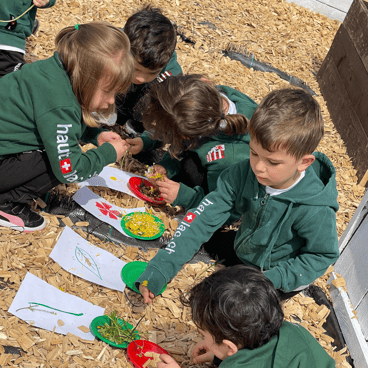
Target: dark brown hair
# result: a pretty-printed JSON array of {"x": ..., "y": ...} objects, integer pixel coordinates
[
  {"x": 238, "y": 304},
  {"x": 288, "y": 119},
  {"x": 95, "y": 51},
  {"x": 152, "y": 37},
  {"x": 186, "y": 108}
]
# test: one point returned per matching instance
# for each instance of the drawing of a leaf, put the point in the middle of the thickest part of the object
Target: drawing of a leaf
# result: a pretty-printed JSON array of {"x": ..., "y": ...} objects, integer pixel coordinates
[{"x": 87, "y": 261}]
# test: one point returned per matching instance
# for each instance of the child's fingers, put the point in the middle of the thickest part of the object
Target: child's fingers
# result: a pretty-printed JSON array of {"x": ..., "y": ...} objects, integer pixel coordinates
[
  {"x": 206, "y": 357},
  {"x": 166, "y": 358},
  {"x": 147, "y": 294},
  {"x": 159, "y": 169},
  {"x": 167, "y": 362}
]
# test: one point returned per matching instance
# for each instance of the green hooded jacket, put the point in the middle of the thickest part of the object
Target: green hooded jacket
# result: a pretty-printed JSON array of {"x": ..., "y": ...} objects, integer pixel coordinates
[
  {"x": 292, "y": 237},
  {"x": 17, "y": 36},
  {"x": 216, "y": 154},
  {"x": 293, "y": 347},
  {"x": 40, "y": 111}
]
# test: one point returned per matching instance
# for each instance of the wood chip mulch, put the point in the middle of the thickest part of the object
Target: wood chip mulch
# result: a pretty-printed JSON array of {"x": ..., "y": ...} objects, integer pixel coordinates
[{"x": 284, "y": 35}]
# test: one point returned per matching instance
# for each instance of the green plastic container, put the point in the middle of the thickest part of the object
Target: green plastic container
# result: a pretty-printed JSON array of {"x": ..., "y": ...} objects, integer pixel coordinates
[
  {"x": 127, "y": 217},
  {"x": 131, "y": 272},
  {"x": 101, "y": 320}
]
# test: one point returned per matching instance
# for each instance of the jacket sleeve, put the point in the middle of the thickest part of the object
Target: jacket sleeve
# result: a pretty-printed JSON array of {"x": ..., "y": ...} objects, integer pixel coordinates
[
  {"x": 319, "y": 252},
  {"x": 197, "y": 227},
  {"x": 148, "y": 143},
  {"x": 172, "y": 165},
  {"x": 189, "y": 197},
  {"x": 60, "y": 130},
  {"x": 90, "y": 135}
]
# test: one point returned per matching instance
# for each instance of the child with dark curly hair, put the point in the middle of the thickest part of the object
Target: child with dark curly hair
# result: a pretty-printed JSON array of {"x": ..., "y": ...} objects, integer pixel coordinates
[{"x": 237, "y": 311}]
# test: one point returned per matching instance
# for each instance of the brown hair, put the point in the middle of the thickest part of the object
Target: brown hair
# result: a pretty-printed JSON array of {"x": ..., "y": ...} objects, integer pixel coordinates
[
  {"x": 152, "y": 37},
  {"x": 186, "y": 108},
  {"x": 288, "y": 119},
  {"x": 94, "y": 51}
]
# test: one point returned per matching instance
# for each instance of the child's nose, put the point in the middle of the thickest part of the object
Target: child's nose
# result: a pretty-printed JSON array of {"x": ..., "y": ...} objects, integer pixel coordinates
[{"x": 260, "y": 166}]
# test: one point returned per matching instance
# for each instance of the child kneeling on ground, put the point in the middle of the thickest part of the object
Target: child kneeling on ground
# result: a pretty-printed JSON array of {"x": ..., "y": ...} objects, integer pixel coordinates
[
  {"x": 287, "y": 197},
  {"x": 237, "y": 311}
]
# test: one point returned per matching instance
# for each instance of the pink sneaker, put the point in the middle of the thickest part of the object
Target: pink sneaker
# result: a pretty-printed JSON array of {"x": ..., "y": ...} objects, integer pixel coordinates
[{"x": 20, "y": 217}]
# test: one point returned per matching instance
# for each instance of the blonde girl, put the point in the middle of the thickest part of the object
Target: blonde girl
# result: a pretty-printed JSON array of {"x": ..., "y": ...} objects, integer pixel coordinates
[{"x": 48, "y": 106}]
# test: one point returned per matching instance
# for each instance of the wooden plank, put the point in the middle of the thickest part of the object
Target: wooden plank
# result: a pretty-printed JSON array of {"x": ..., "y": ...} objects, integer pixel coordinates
[
  {"x": 350, "y": 326},
  {"x": 343, "y": 115},
  {"x": 353, "y": 73},
  {"x": 332, "y": 12},
  {"x": 352, "y": 264},
  {"x": 356, "y": 24}
]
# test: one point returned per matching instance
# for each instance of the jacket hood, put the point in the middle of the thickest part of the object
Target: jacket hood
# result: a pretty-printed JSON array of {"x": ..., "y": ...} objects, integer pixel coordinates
[
  {"x": 292, "y": 347},
  {"x": 317, "y": 188}
]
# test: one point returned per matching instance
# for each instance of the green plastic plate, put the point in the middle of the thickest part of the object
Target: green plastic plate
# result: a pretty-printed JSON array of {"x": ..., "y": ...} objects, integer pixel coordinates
[
  {"x": 127, "y": 217},
  {"x": 101, "y": 320},
  {"x": 131, "y": 272}
]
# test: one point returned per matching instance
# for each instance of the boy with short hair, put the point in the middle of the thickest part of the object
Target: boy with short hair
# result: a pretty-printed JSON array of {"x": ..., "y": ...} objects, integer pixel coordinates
[
  {"x": 286, "y": 195},
  {"x": 237, "y": 310},
  {"x": 152, "y": 39}
]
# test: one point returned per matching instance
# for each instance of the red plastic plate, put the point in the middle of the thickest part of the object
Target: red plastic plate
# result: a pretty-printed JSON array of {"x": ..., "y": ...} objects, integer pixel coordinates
[
  {"x": 138, "y": 348},
  {"x": 133, "y": 185}
]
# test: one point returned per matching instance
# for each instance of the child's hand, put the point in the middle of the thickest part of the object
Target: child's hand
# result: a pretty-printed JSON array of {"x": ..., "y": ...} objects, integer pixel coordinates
[
  {"x": 169, "y": 189},
  {"x": 40, "y": 3},
  {"x": 136, "y": 144},
  {"x": 201, "y": 354},
  {"x": 147, "y": 294},
  {"x": 167, "y": 362},
  {"x": 107, "y": 137},
  {"x": 121, "y": 148},
  {"x": 158, "y": 169}
]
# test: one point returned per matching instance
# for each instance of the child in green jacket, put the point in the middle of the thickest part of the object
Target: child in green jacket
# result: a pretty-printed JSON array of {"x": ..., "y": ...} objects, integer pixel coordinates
[
  {"x": 47, "y": 107},
  {"x": 287, "y": 197},
  {"x": 152, "y": 39},
  {"x": 237, "y": 311},
  {"x": 192, "y": 115},
  {"x": 13, "y": 34}
]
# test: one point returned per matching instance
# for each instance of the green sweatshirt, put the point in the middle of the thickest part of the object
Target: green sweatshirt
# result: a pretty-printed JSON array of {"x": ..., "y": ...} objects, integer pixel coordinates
[
  {"x": 216, "y": 154},
  {"x": 293, "y": 347},
  {"x": 40, "y": 111},
  {"x": 17, "y": 37},
  {"x": 292, "y": 237}
]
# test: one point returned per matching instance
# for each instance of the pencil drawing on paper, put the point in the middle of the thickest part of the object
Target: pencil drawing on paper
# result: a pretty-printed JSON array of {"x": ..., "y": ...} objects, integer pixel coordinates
[{"x": 87, "y": 261}]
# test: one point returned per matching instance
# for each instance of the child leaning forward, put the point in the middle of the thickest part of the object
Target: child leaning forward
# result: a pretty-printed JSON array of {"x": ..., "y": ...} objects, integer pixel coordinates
[
  {"x": 237, "y": 311},
  {"x": 287, "y": 197},
  {"x": 206, "y": 127}
]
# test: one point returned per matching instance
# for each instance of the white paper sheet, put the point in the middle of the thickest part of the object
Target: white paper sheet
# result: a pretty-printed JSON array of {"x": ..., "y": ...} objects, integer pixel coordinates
[
  {"x": 113, "y": 178},
  {"x": 81, "y": 258},
  {"x": 102, "y": 209},
  {"x": 61, "y": 306}
]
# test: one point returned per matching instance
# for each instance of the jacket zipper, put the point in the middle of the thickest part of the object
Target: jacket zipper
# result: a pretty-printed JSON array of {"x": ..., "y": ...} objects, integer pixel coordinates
[{"x": 263, "y": 203}]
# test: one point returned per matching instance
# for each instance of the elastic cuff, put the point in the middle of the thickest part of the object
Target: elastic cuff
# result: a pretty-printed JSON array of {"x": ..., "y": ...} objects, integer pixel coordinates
[
  {"x": 274, "y": 276},
  {"x": 152, "y": 279}
]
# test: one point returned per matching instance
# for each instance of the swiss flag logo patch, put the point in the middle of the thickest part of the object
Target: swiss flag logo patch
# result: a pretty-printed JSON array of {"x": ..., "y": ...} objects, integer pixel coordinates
[
  {"x": 189, "y": 217},
  {"x": 65, "y": 166}
]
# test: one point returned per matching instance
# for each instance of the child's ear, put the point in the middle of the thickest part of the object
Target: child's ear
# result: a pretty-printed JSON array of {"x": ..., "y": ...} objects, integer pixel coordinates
[
  {"x": 230, "y": 347},
  {"x": 305, "y": 162}
]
